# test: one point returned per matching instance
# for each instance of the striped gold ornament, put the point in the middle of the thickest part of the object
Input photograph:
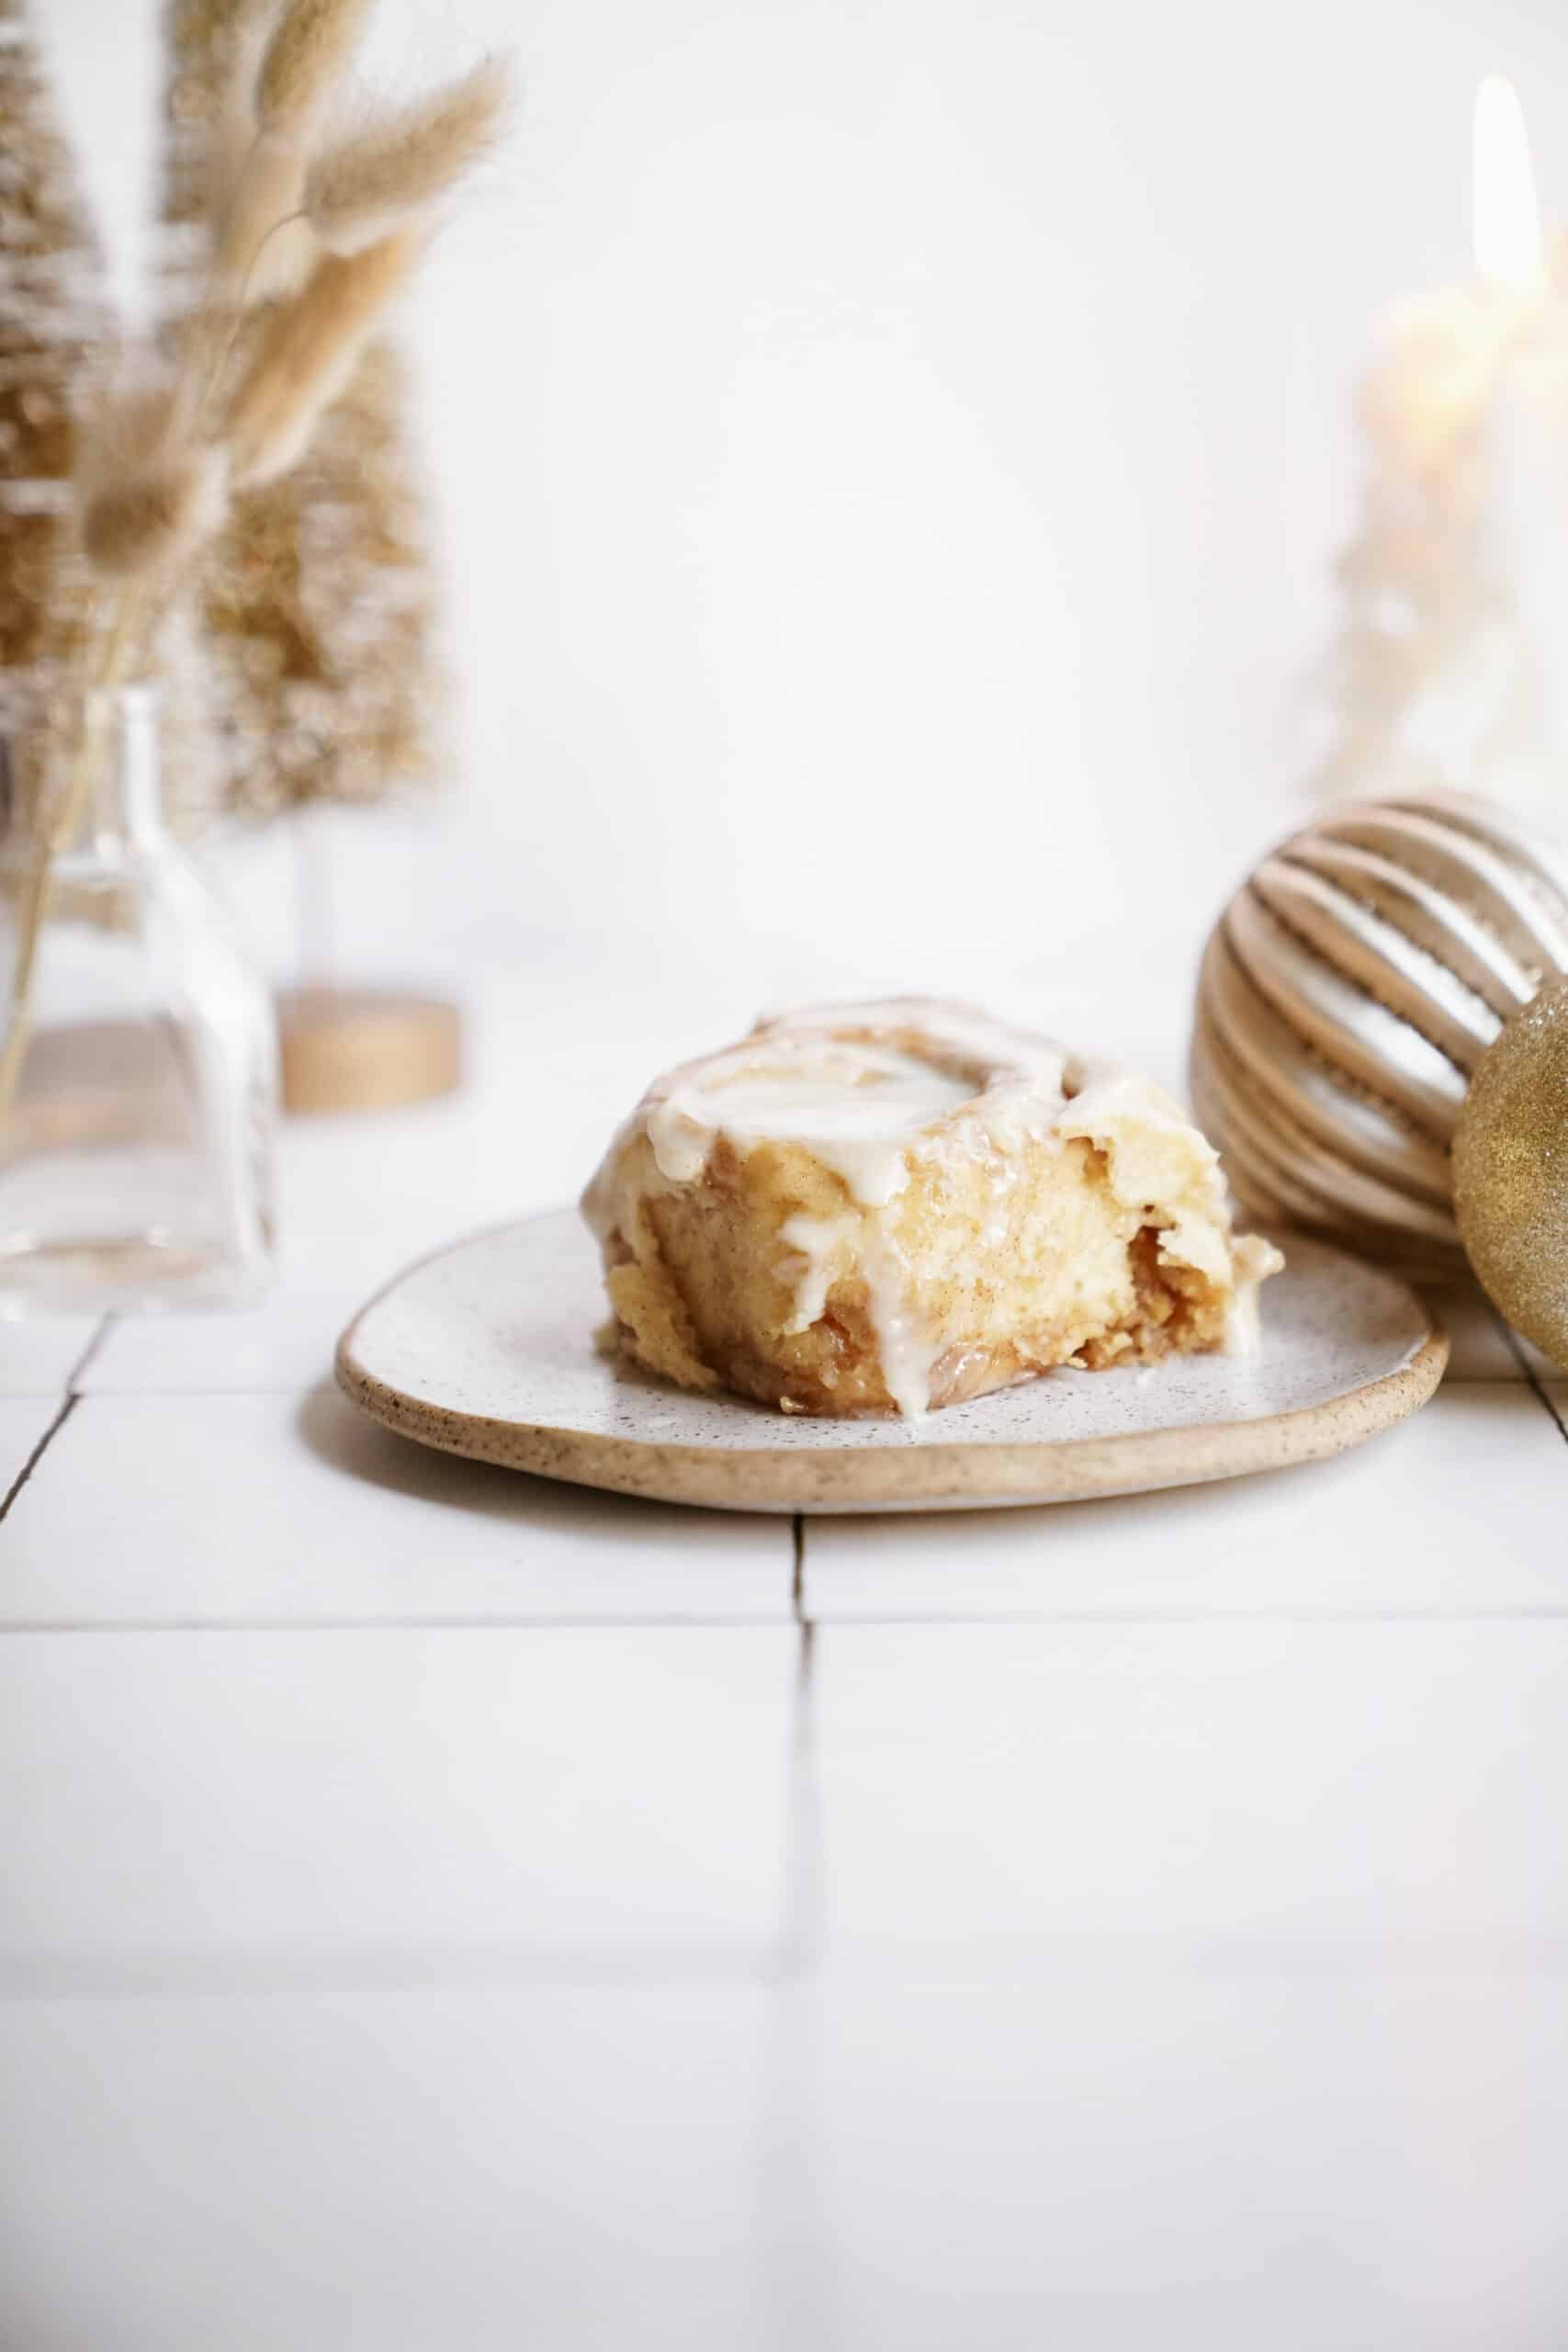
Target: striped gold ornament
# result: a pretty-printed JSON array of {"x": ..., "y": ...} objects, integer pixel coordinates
[{"x": 1347, "y": 994}]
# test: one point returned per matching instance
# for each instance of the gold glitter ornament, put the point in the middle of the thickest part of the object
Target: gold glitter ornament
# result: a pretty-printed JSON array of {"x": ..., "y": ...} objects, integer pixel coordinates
[
  {"x": 1348, "y": 991},
  {"x": 1511, "y": 1172}
]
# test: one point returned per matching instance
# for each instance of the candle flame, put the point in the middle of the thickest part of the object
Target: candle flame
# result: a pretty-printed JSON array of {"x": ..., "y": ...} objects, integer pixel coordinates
[{"x": 1505, "y": 219}]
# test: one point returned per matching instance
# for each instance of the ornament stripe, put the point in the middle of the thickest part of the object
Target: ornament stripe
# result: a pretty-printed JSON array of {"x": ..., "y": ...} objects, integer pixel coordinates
[
  {"x": 1401, "y": 976},
  {"x": 1274, "y": 1059},
  {"x": 1541, "y": 861},
  {"x": 1469, "y": 869},
  {"x": 1430, "y": 920},
  {"x": 1295, "y": 1164},
  {"x": 1345, "y": 1024}
]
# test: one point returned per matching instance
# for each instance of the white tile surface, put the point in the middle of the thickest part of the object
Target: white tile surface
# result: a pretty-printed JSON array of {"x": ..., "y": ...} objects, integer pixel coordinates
[
  {"x": 197, "y": 1800},
  {"x": 37, "y": 1357},
  {"x": 1321, "y": 1795},
  {"x": 298, "y": 1509},
  {"x": 1132, "y": 2162},
  {"x": 23, "y": 1420},
  {"x": 1104, "y": 2164},
  {"x": 1462, "y": 1507},
  {"x": 389, "y": 1979},
  {"x": 415, "y": 2172}
]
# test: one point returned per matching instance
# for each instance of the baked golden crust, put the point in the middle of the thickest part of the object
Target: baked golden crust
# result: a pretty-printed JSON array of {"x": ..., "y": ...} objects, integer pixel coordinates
[{"x": 820, "y": 1255}]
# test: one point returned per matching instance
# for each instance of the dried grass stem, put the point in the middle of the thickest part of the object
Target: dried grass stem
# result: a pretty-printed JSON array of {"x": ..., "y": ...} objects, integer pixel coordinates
[
  {"x": 153, "y": 520},
  {"x": 302, "y": 61},
  {"x": 362, "y": 190},
  {"x": 267, "y": 192},
  {"x": 306, "y": 353}
]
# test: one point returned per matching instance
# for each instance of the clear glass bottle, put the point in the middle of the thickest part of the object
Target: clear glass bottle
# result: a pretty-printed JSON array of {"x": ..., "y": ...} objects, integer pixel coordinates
[{"x": 135, "y": 1144}]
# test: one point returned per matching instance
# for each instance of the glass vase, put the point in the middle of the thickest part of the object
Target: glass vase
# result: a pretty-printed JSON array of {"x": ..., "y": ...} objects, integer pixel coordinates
[{"x": 137, "y": 1087}]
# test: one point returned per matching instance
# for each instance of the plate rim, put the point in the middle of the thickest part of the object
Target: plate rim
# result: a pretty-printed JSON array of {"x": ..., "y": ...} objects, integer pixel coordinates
[{"x": 964, "y": 1472}]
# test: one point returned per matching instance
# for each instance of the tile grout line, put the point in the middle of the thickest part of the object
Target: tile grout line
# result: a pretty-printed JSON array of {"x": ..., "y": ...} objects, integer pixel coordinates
[
  {"x": 607, "y": 1624},
  {"x": 1519, "y": 1613},
  {"x": 63, "y": 1411},
  {"x": 800, "y": 1927},
  {"x": 84, "y": 1362},
  {"x": 67, "y": 1406}
]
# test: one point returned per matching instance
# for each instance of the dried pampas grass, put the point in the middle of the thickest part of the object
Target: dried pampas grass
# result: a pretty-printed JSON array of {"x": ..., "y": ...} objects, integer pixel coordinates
[
  {"x": 54, "y": 324},
  {"x": 369, "y": 186},
  {"x": 215, "y": 51},
  {"x": 135, "y": 423},
  {"x": 316, "y": 599},
  {"x": 308, "y": 353},
  {"x": 317, "y": 613},
  {"x": 262, "y": 224},
  {"x": 303, "y": 61},
  {"x": 153, "y": 520},
  {"x": 229, "y": 186},
  {"x": 149, "y": 492},
  {"x": 153, "y": 491}
]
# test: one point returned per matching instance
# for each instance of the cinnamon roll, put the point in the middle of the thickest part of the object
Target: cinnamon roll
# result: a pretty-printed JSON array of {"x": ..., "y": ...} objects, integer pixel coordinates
[{"x": 889, "y": 1207}]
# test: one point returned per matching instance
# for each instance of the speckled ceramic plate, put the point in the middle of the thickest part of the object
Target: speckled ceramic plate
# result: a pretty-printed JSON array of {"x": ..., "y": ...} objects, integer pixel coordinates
[{"x": 487, "y": 1350}]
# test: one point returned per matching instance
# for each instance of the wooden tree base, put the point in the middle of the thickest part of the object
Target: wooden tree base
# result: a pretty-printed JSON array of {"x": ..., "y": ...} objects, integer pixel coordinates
[{"x": 366, "y": 1050}]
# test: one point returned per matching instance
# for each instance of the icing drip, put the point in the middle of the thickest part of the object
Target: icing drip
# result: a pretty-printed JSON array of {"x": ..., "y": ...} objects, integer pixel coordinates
[
  {"x": 902, "y": 1343},
  {"x": 814, "y": 1239},
  {"x": 1255, "y": 1261}
]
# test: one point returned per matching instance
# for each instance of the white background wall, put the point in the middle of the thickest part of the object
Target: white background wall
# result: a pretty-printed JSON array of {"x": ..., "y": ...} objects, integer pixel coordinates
[{"x": 891, "y": 453}]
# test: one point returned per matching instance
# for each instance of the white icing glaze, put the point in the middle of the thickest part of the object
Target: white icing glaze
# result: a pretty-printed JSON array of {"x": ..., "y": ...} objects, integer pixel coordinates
[
  {"x": 904, "y": 1346},
  {"x": 1253, "y": 1259},
  {"x": 813, "y": 1239},
  {"x": 839, "y": 1078},
  {"x": 986, "y": 1045},
  {"x": 858, "y": 1107}
]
